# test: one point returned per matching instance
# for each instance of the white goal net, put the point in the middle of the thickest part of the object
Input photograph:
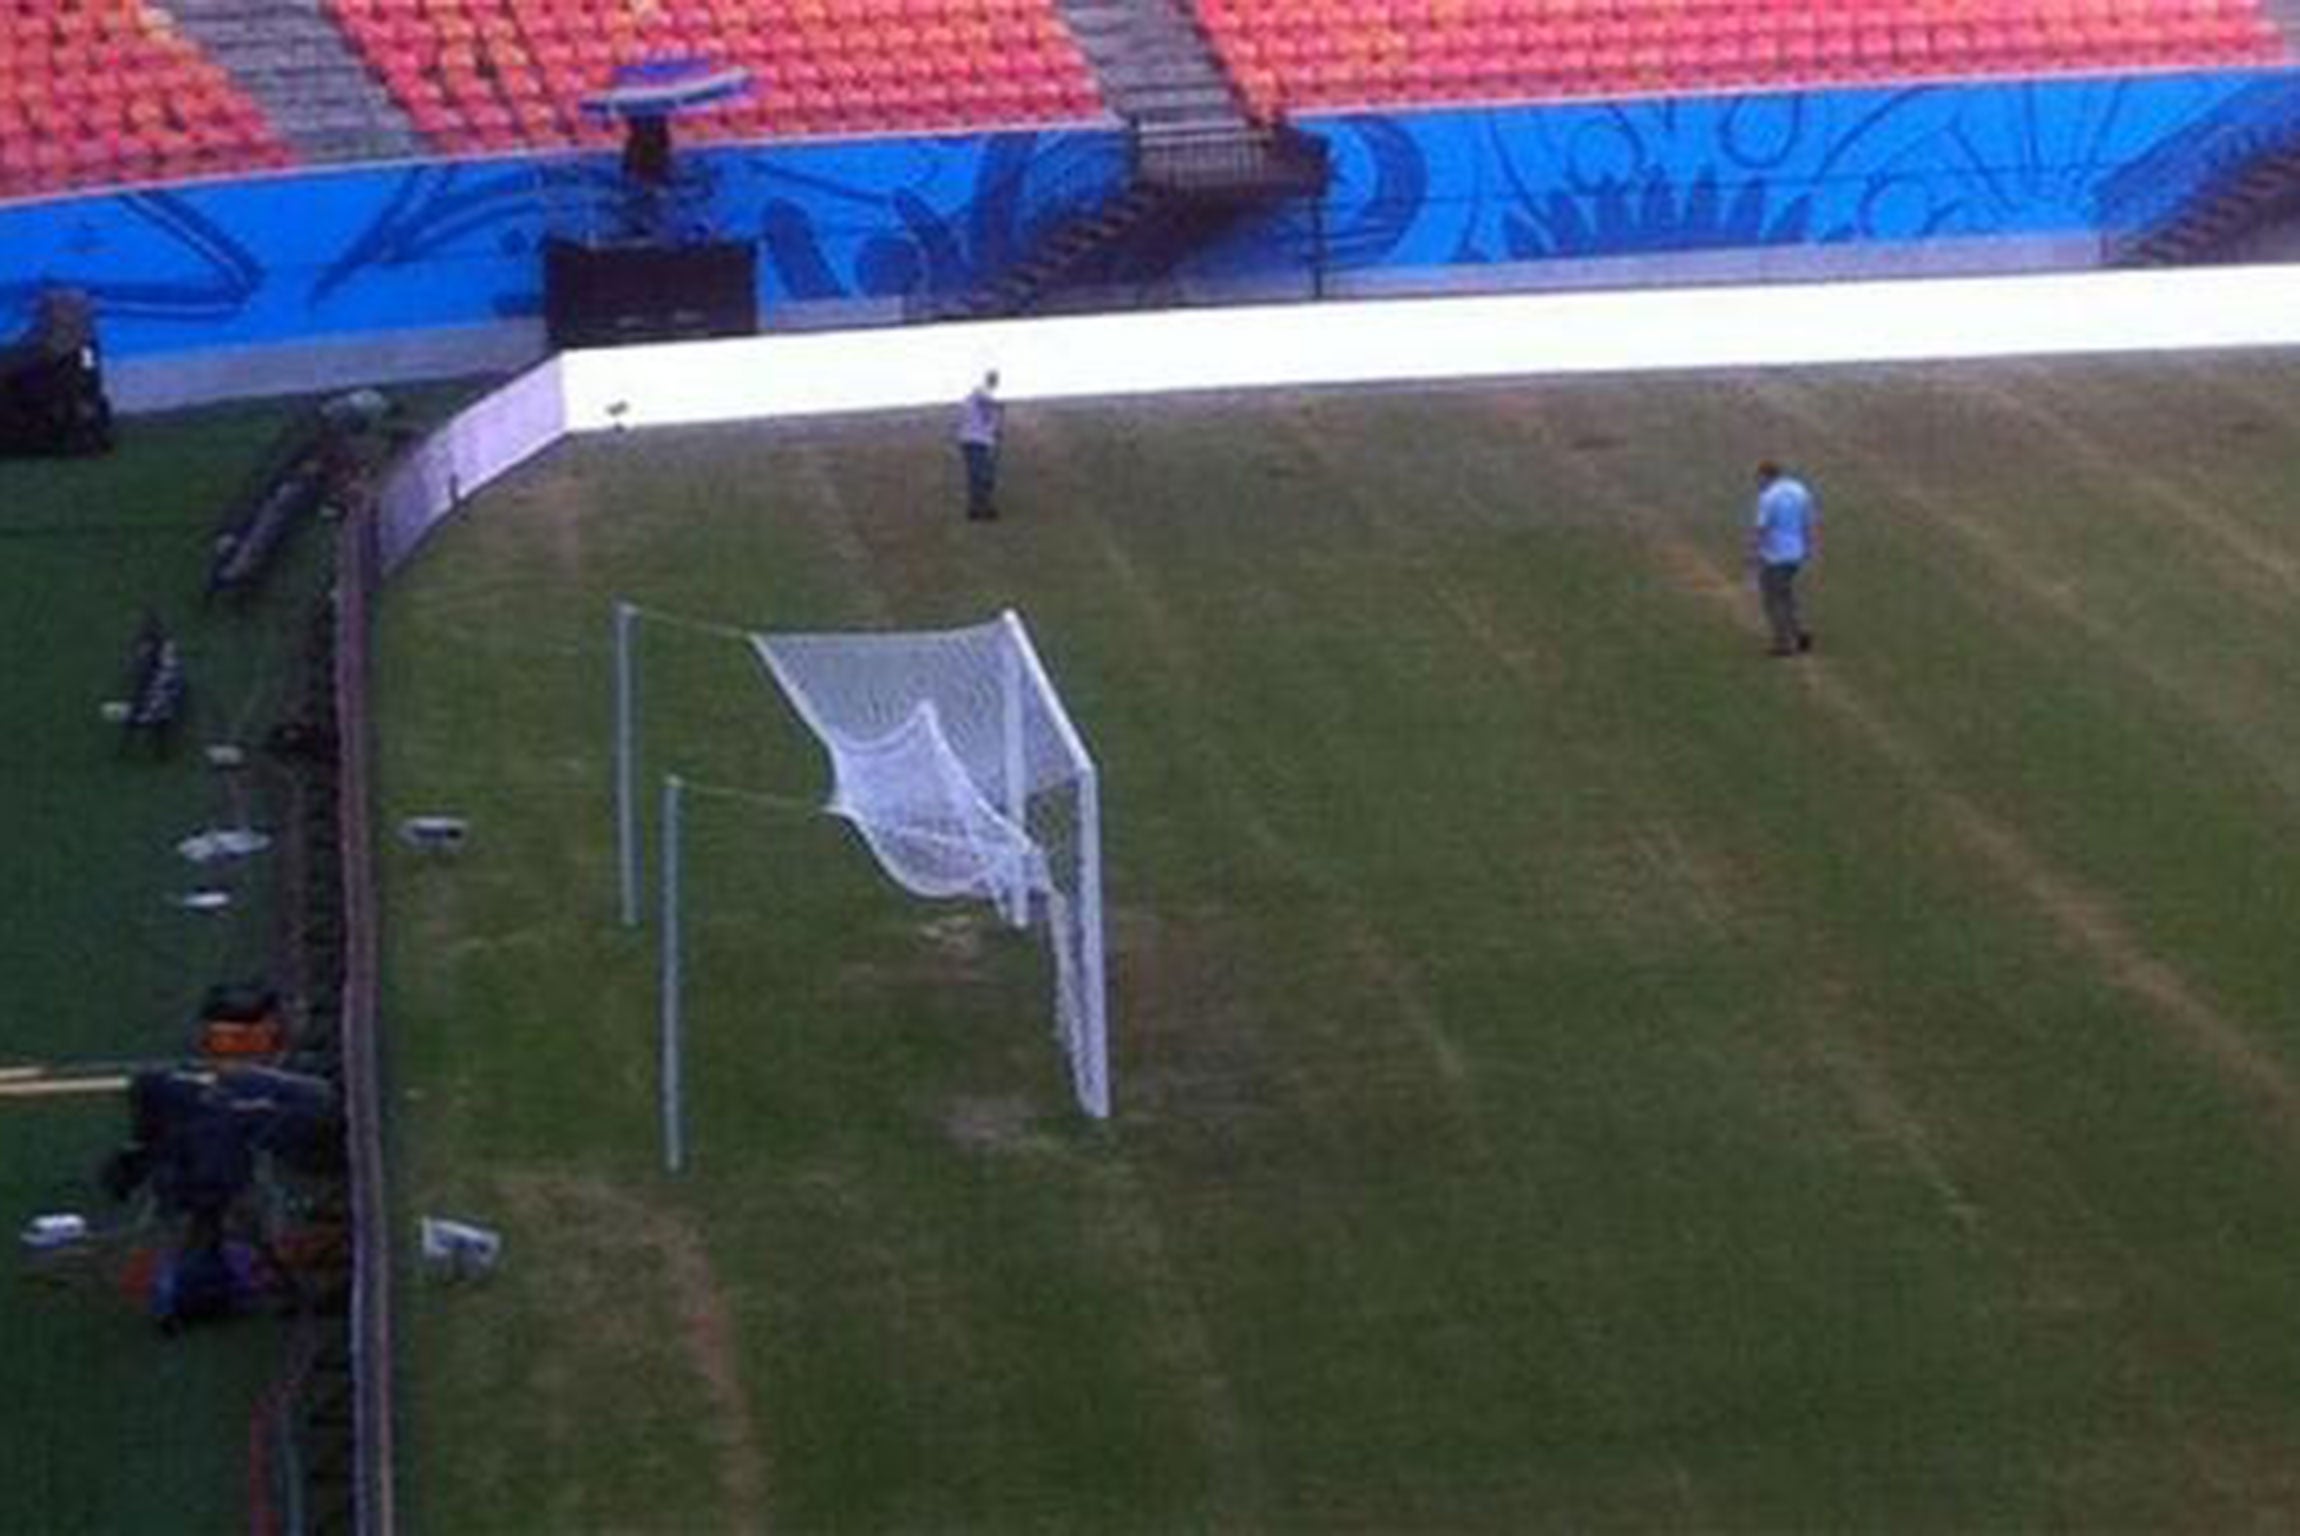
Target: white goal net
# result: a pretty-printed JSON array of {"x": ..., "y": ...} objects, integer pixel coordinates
[{"x": 953, "y": 757}]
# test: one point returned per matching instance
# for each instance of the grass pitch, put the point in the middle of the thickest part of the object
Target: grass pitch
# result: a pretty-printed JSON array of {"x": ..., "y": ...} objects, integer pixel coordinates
[
  {"x": 1574, "y": 1073},
  {"x": 105, "y": 1426}
]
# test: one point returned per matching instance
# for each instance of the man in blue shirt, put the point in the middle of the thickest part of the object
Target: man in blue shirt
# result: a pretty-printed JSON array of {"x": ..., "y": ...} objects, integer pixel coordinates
[{"x": 1783, "y": 535}]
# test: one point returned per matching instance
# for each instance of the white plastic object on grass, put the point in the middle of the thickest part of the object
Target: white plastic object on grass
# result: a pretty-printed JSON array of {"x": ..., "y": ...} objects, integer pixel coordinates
[
  {"x": 434, "y": 833},
  {"x": 60, "y": 1229},
  {"x": 218, "y": 844},
  {"x": 458, "y": 1250}
]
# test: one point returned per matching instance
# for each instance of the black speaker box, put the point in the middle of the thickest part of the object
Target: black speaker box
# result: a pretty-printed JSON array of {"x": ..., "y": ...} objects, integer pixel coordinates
[{"x": 608, "y": 295}]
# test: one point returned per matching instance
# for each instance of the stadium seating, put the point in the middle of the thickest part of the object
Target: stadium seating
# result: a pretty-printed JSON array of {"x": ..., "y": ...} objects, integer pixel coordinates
[
  {"x": 503, "y": 74},
  {"x": 104, "y": 92},
  {"x": 1302, "y": 54}
]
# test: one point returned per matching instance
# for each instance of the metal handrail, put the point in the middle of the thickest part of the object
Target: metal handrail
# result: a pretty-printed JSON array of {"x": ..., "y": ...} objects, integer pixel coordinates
[{"x": 2148, "y": 193}]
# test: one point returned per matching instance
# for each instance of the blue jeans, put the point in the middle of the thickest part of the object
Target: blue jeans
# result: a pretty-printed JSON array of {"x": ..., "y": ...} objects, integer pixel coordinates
[{"x": 981, "y": 479}]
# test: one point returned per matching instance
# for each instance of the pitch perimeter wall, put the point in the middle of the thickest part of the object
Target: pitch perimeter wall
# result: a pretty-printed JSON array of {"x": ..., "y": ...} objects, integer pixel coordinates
[{"x": 401, "y": 270}]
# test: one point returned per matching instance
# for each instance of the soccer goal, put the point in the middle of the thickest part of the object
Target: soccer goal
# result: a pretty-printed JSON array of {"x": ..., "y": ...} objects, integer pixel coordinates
[
  {"x": 954, "y": 759},
  {"x": 956, "y": 763}
]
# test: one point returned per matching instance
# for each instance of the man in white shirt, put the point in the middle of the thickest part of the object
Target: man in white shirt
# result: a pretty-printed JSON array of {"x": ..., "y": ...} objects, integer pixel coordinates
[
  {"x": 1783, "y": 535},
  {"x": 981, "y": 417}
]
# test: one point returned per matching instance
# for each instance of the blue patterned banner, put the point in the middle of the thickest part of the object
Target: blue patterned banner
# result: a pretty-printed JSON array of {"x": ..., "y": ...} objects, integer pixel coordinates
[
  {"x": 444, "y": 244},
  {"x": 1636, "y": 178},
  {"x": 883, "y": 223}
]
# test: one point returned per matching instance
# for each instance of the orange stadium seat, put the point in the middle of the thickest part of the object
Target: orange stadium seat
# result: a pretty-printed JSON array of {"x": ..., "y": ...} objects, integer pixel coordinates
[
  {"x": 89, "y": 89},
  {"x": 77, "y": 83},
  {"x": 1288, "y": 54},
  {"x": 510, "y": 73}
]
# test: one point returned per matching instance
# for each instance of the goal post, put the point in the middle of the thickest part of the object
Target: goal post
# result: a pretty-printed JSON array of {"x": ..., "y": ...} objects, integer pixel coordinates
[
  {"x": 957, "y": 762},
  {"x": 1086, "y": 890}
]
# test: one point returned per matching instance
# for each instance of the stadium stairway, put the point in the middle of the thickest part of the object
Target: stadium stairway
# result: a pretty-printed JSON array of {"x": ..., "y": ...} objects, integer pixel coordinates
[
  {"x": 1198, "y": 161},
  {"x": 2250, "y": 213},
  {"x": 1071, "y": 255},
  {"x": 290, "y": 57},
  {"x": 1160, "y": 73},
  {"x": 2270, "y": 227},
  {"x": 2225, "y": 188},
  {"x": 1140, "y": 234},
  {"x": 1155, "y": 68}
]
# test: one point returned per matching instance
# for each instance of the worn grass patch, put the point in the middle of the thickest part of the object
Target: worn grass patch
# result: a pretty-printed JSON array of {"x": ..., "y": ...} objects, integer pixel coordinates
[{"x": 1573, "y": 1073}]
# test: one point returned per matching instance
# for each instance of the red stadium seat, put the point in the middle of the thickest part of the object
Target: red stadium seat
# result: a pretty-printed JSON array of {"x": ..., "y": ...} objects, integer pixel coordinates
[
  {"x": 858, "y": 58},
  {"x": 82, "y": 83},
  {"x": 1455, "y": 49}
]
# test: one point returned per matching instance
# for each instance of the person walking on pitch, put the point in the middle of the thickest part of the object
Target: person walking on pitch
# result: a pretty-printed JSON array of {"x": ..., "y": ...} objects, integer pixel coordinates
[
  {"x": 981, "y": 418},
  {"x": 1784, "y": 534}
]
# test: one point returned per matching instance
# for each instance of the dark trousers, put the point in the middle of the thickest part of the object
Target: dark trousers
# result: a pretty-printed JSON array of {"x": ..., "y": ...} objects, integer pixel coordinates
[
  {"x": 981, "y": 479},
  {"x": 1777, "y": 588}
]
